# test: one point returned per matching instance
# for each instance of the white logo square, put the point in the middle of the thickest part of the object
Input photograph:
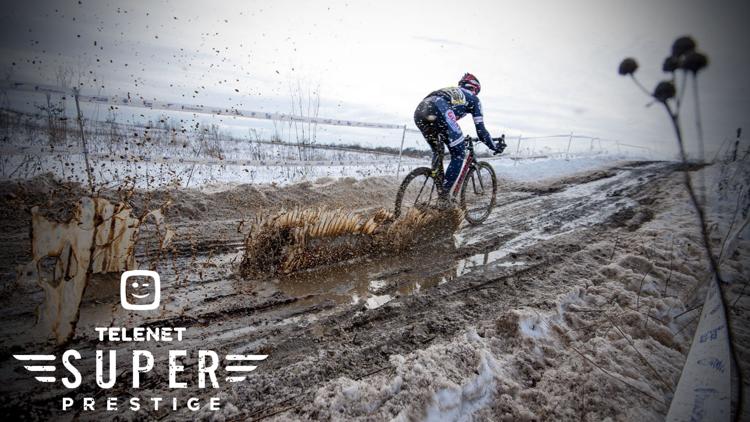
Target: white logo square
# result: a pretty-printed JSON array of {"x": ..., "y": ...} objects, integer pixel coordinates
[{"x": 124, "y": 290}]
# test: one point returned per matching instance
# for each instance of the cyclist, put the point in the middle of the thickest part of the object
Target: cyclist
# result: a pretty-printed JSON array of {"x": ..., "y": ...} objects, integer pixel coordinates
[{"x": 436, "y": 117}]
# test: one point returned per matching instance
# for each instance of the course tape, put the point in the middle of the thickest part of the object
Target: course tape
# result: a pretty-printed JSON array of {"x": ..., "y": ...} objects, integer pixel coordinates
[
  {"x": 67, "y": 152},
  {"x": 704, "y": 390},
  {"x": 193, "y": 108}
]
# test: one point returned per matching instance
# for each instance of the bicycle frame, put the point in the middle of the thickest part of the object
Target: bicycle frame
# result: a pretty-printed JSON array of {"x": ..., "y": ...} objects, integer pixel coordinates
[{"x": 469, "y": 162}]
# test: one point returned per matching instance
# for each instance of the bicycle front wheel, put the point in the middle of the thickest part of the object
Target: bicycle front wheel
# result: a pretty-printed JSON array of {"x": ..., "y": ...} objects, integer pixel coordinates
[
  {"x": 418, "y": 190},
  {"x": 478, "y": 192}
]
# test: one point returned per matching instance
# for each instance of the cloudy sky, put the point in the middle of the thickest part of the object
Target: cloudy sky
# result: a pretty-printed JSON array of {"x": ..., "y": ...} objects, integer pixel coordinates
[{"x": 546, "y": 67}]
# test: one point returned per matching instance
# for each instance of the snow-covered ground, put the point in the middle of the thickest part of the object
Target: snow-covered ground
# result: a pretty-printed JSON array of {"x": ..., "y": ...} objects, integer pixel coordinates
[
  {"x": 161, "y": 156},
  {"x": 196, "y": 171},
  {"x": 534, "y": 170}
]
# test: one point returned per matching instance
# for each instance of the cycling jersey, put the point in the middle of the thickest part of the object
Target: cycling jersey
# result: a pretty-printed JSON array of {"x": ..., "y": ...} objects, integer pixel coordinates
[{"x": 461, "y": 102}]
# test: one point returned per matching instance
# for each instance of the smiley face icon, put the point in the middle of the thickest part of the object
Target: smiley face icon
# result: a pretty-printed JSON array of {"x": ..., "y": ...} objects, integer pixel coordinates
[{"x": 141, "y": 285}]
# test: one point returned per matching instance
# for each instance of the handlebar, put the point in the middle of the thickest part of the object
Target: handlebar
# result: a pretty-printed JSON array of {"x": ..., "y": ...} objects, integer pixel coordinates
[{"x": 499, "y": 142}]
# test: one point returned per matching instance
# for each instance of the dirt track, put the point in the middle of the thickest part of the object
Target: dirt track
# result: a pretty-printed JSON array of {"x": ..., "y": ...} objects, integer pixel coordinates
[{"x": 325, "y": 327}]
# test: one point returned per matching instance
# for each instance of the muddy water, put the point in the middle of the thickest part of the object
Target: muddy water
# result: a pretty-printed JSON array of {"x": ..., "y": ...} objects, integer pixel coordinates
[
  {"x": 375, "y": 281},
  {"x": 520, "y": 220}
]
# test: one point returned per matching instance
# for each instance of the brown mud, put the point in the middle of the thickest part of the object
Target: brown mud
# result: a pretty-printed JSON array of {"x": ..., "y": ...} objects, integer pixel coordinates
[{"x": 341, "y": 337}]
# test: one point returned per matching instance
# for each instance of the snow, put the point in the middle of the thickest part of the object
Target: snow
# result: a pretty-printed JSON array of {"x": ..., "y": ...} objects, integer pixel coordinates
[
  {"x": 157, "y": 157},
  {"x": 534, "y": 170},
  {"x": 375, "y": 301},
  {"x": 204, "y": 172},
  {"x": 592, "y": 345},
  {"x": 533, "y": 326},
  {"x": 459, "y": 402}
]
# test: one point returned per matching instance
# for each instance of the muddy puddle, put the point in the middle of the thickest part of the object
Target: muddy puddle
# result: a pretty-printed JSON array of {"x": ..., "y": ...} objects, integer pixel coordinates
[
  {"x": 513, "y": 226},
  {"x": 287, "y": 316},
  {"x": 375, "y": 281},
  {"x": 207, "y": 292}
]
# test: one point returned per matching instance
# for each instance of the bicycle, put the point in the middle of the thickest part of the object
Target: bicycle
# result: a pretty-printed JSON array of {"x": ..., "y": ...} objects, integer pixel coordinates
[{"x": 479, "y": 174}]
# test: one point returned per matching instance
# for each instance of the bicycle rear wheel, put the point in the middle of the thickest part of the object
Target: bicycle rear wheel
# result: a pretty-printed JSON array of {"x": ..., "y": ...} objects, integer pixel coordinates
[
  {"x": 418, "y": 190},
  {"x": 478, "y": 192}
]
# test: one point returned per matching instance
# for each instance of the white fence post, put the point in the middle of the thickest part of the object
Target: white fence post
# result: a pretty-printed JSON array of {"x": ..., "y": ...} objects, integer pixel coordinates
[
  {"x": 400, "y": 151},
  {"x": 567, "y": 152},
  {"x": 518, "y": 148}
]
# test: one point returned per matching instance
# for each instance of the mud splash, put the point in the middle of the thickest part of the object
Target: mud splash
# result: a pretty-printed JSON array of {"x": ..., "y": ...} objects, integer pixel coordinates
[{"x": 301, "y": 239}]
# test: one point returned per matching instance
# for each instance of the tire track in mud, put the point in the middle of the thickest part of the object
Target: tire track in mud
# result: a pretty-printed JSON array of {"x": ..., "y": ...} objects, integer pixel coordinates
[
  {"x": 317, "y": 334},
  {"x": 356, "y": 343}
]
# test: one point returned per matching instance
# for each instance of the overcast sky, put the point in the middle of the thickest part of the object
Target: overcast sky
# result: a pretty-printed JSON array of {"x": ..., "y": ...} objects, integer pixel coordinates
[{"x": 545, "y": 67}]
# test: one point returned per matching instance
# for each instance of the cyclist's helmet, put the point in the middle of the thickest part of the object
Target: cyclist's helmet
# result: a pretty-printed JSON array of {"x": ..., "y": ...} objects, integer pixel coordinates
[{"x": 470, "y": 82}]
